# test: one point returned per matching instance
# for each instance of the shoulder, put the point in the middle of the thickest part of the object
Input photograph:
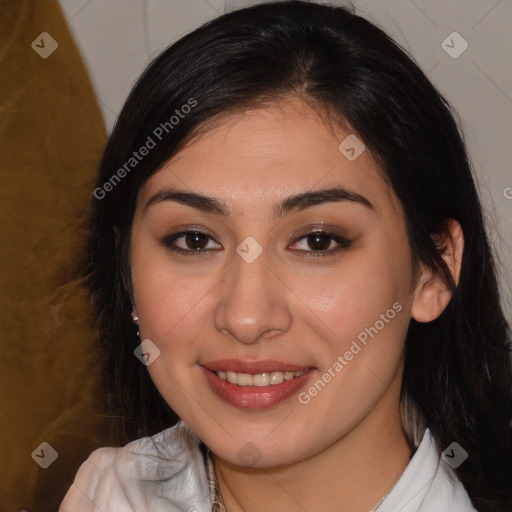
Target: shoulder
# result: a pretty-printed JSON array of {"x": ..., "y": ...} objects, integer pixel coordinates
[
  {"x": 94, "y": 476},
  {"x": 447, "y": 491},
  {"x": 167, "y": 467}
]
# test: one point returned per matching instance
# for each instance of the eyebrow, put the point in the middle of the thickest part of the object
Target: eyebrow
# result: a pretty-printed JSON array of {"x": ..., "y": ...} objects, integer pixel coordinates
[{"x": 296, "y": 202}]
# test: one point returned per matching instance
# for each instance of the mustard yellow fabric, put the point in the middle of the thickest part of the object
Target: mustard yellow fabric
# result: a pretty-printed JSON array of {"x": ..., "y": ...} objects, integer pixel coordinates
[{"x": 51, "y": 137}]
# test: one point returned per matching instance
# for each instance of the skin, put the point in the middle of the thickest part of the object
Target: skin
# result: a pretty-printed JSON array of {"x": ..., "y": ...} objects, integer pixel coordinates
[{"x": 345, "y": 449}]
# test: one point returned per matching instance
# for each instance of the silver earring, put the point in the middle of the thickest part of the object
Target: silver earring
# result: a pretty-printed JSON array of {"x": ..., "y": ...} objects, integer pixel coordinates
[{"x": 136, "y": 322}]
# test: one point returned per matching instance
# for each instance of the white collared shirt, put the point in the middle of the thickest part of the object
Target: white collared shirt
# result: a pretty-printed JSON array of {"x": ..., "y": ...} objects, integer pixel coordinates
[
  {"x": 428, "y": 484},
  {"x": 166, "y": 473}
]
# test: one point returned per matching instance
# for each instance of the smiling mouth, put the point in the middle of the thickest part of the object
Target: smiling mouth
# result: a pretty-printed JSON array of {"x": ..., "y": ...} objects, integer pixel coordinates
[
  {"x": 260, "y": 379},
  {"x": 255, "y": 384}
]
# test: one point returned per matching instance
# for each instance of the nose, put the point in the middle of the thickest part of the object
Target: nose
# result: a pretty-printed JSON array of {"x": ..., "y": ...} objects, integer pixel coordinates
[{"x": 253, "y": 303}]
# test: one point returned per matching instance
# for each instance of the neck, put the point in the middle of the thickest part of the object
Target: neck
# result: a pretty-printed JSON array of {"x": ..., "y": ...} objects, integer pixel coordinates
[{"x": 352, "y": 475}]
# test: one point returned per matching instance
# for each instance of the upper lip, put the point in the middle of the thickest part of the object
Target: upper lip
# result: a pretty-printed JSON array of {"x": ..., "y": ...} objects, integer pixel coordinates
[{"x": 252, "y": 367}]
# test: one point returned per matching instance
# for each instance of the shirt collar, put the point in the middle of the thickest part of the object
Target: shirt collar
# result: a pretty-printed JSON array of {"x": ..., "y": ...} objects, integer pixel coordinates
[{"x": 426, "y": 475}]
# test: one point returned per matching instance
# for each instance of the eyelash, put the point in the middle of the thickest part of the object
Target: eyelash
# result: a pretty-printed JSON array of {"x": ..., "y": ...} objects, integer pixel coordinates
[{"x": 168, "y": 242}]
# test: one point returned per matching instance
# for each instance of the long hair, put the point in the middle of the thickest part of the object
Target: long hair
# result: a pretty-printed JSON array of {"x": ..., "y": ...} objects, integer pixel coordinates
[{"x": 457, "y": 379}]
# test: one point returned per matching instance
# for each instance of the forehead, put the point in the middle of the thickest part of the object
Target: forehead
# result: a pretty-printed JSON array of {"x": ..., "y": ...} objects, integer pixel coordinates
[{"x": 264, "y": 153}]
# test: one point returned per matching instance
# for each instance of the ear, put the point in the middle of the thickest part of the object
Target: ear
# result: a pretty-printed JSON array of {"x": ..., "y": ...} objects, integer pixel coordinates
[{"x": 431, "y": 295}]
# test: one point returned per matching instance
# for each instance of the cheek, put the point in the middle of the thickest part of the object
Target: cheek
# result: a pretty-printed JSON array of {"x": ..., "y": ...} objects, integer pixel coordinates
[
  {"x": 354, "y": 296},
  {"x": 366, "y": 312},
  {"x": 364, "y": 307},
  {"x": 168, "y": 300}
]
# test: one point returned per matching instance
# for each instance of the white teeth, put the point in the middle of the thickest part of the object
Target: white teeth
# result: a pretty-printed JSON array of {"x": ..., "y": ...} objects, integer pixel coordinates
[
  {"x": 276, "y": 377},
  {"x": 260, "y": 379},
  {"x": 243, "y": 379}
]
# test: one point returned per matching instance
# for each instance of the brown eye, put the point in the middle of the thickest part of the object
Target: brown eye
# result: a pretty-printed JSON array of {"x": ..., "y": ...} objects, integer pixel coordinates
[
  {"x": 196, "y": 240},
  {"x": 319, "y": 242},
  {"x": 188, "y": 242},
  {"x": 322, "y": 243}
]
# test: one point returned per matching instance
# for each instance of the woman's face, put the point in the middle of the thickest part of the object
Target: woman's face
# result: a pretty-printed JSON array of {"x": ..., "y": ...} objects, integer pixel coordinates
[{"x": 255, "y": 296}]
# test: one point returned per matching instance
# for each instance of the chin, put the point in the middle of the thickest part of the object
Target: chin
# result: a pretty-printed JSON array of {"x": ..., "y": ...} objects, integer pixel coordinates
[{"x": 254, "y": 451}]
